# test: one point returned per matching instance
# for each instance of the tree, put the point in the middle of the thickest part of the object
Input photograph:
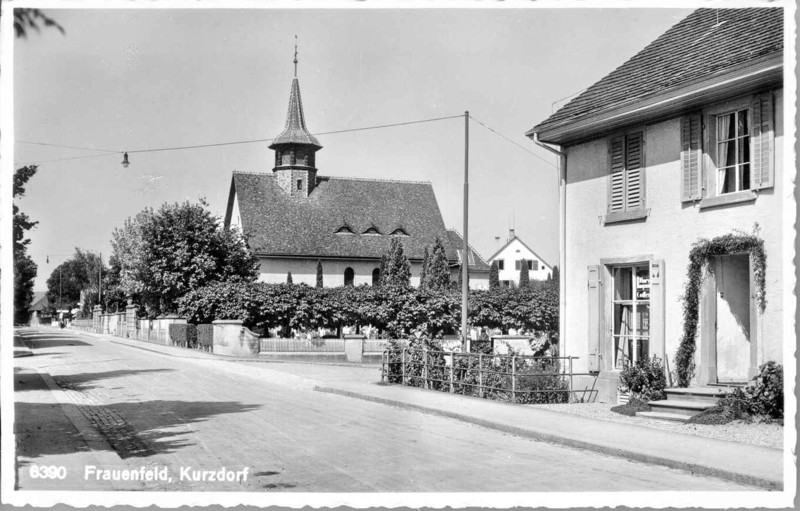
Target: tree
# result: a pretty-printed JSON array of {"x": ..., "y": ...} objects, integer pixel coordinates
[
  {"x": 556, "y": 275},
  {"x": 319, "y": 274},
  {"x": 25, "y": 19},
  {"x": 438, "y": 270},
  {"x": 289, "y": 278},
  {"x": 75, "y": 281},
  {"x": 165, "y": 254},
  {"x": 382, "y": 270},
  {"x": 494, "y": 276},
  {"x": 398, "y": 269},
  {"x": 524, "y": 276},
  {"x": 423, "y": 276},
  {"x": 25, "y": 269}
]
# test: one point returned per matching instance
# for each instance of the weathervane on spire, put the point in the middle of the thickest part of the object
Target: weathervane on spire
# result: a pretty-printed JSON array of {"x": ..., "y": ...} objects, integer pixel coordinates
[{"x": 295, "y": 56}]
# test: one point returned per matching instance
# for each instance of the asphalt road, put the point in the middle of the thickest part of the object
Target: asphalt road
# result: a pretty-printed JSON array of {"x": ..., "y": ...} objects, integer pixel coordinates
[{"x": 106, "y": 411}]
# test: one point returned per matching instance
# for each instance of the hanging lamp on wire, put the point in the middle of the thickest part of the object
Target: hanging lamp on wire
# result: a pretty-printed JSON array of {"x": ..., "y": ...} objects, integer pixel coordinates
[{"x": 125, "y": 161}]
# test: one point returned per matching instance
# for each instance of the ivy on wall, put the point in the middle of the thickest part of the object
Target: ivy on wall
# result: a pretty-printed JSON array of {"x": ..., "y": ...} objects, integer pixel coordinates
[{"x": 699, "y": 258}]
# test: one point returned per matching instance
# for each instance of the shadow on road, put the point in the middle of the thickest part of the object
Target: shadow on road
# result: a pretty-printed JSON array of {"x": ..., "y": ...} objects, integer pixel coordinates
[
  {"x": 166, "y": 426},
  {"x": 36, "y": 339},
  {"x": 32, "y": 381}
]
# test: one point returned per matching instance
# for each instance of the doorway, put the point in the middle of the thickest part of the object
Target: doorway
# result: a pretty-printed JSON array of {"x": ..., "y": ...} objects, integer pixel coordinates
[{"x": 732, "y": 276}]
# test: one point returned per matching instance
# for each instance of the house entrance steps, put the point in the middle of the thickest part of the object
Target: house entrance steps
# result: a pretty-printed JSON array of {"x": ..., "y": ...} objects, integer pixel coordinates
[{"x": 683, "y": 403}]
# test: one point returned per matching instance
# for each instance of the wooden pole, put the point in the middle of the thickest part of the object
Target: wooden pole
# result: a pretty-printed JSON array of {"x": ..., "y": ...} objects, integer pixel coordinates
[{"x": 465, "y": 246}]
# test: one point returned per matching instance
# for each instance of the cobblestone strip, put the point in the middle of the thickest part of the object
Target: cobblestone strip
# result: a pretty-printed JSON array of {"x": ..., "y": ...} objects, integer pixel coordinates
[{"x": 111, "y": 425}]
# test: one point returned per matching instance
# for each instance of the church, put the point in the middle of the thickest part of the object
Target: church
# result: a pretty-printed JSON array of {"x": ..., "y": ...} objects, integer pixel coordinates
[{"x": 295, "y": 219}]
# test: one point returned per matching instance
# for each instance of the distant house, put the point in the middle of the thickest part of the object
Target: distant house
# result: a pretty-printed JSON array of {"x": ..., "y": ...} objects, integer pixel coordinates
[
  {"x": 478, "y": 267},
  {"x": 38, "y": 308},
  {"x": 512, "y": 256},
  {"x": 294, "y": 218},
  {"x": 683, "y": 141}
]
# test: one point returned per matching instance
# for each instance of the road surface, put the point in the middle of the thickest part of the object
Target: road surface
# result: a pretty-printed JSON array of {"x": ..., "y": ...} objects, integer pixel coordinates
[{"x": 93, "y": 414}]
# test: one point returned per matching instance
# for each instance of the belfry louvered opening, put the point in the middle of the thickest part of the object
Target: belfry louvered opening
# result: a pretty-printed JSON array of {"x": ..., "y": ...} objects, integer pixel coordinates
[{"x": 626, "y": 182}]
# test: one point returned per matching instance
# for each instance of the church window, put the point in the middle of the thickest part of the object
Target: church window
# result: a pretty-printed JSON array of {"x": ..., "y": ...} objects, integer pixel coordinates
[
  {"x": 299, "y": 184},
  {"x": 349, "y": 275},
  {"x": 376, "y": 276}
]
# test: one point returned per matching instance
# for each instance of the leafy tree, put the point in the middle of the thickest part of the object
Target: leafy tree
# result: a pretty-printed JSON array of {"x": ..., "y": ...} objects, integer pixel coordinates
[
  {"x": 494, "y": 276},
  {"x": 398, "y": 269},
  {"x": 438, "y": 270},
  {"x": 319, "y": 274},
  {"x": 382, "y": 270},
  {"x": 289, "y": 278},
  {"x": 25, "y": 269},
  {"x": 423, "y": 276},
  {"x": 25, "y": 19},
  {"x": 556, "y": 275},
  {"x": 76, "y": 279},
  {"x": 524, "y": 276},
  {"x": 163, "y": 255}
]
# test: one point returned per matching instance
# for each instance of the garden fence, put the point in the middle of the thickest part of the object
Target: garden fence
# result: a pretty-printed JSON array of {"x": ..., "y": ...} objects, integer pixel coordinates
[
  {"x": 514, "y": 378},
  {"x": 301, "y": 345}
]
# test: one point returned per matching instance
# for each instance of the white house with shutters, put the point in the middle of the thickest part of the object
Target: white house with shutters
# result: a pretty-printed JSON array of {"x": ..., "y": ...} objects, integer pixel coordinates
[
  {"x": 510, "y": 258},
  {"x": 683, "y": 142}
]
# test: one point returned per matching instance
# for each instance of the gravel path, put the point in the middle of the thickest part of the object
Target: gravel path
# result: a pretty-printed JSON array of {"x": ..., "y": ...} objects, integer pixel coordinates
[{"x": 767, "y": 435}]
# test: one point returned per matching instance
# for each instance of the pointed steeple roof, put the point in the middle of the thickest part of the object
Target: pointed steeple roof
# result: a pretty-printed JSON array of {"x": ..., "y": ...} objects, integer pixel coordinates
[{"x": 295, "y": 131}]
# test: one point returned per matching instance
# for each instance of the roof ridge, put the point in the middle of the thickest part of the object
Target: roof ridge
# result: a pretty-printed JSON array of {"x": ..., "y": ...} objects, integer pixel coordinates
[
  {"x": 468, "y": 244},
  {"x": 376, "y": 179},
  {"x": 254, "y": 172}
]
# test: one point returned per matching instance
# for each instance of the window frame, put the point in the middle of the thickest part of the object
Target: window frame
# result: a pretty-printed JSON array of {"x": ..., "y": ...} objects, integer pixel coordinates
[{"x": 501, "y": 264}]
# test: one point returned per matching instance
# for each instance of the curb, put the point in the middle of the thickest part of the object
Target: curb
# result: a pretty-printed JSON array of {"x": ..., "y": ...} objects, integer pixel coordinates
[{"x": 736, "y": 477}]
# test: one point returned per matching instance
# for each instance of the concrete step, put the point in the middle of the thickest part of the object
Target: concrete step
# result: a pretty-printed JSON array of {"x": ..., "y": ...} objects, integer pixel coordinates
[
  {"x": 708, "y": 395},
  {"x": 679, "y": 407},
  {"x": 663, "y": 416}
]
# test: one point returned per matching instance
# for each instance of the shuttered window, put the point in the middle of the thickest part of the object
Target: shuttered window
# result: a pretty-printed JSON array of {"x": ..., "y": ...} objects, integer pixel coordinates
[
  {"x": 626, "y": 182},
  {"x": 763, "y": 173},
  {"x": 691, "y": 151}
]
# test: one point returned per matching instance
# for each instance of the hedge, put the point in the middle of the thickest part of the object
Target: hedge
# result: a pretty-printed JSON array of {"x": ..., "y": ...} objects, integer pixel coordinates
[{"x": 397, "y": 311}]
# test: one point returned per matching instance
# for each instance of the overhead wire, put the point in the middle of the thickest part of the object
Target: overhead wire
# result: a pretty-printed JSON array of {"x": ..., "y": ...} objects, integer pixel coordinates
[{"x": 107, "y": 152}]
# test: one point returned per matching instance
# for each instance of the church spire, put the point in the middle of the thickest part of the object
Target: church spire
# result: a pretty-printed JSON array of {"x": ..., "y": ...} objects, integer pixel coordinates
[{"x": 295, "y": 56}]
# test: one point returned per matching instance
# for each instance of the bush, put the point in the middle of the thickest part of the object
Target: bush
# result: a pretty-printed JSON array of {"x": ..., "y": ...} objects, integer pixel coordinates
[
  {"x": 645, "y": 379},
  {"x": 633, "y": 405},
  {"x": 761, "y": 399}
]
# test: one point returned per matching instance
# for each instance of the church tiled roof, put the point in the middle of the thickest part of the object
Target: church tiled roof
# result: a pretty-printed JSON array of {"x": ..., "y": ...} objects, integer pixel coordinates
[
  {"x": 277, "y": 224},
  {"x": 475, "y": 261},
  {"x": 708, "y": 42},
  {"x": 295, "y": 131}
]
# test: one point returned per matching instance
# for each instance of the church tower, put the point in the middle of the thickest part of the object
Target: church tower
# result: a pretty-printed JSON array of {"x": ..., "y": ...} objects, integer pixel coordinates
[{"x": 295, "y": 148}]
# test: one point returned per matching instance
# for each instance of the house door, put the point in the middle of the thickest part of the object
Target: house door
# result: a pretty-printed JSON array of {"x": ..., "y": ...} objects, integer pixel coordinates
[{"x": 732, "y": 274}]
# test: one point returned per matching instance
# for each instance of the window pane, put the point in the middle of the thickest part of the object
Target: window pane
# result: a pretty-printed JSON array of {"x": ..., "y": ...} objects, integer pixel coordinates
[
  {"x": 726, "y": 127},
  {"x": 642, "y": 349},
  {"x": 623, "y": 283},
  {"x": 743, "y": 125},
  {"x": 623, "y": 319},
  {"x": 744, "y": 150},
  {"x": 727, "y": 180},
  {"x": 744, "y": 176},
  {"x": 643, "y": 320},
  {"x": 622, "y": 351}
]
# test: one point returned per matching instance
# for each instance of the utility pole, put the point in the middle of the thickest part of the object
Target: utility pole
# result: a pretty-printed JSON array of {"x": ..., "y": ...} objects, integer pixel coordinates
[
  {"x": 100, "y": 281},
  {"x": 465, "y": 247}
]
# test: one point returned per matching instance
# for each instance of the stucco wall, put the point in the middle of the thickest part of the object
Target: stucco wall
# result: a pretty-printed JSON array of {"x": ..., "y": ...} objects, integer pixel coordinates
[
  {"x": 668, "y": 233},
  {"x": 274, "y": 270},
  {"x": 514, "y": 252}
]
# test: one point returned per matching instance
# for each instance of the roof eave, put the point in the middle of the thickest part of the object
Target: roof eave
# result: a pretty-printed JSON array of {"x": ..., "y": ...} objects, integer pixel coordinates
[{"x": 742, "y": 80}]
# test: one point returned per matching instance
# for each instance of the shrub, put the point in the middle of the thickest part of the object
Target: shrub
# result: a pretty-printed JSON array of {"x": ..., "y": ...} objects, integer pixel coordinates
[
  {"x": 633, "y": 405},
  {"x": 543, "y": 377},
  {"x": 645, "y": 379},
  {"x": 766, "y": 391}
]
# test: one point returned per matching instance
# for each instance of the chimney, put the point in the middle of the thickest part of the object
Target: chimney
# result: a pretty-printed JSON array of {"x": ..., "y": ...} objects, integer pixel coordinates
[{"x": 511, "y": 234}]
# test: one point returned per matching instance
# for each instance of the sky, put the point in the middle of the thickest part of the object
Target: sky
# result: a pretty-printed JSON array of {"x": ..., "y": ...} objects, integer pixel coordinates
[{"x": 134, "y": 79}]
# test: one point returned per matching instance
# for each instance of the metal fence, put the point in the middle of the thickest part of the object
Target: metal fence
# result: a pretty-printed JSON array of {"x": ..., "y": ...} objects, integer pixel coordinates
[
  {"x": 302, "y": 345},
  {"x": 518, "y": 379}
]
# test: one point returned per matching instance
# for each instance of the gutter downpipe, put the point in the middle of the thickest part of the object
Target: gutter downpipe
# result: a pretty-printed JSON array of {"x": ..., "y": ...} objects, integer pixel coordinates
[{"x": 562, "y": 242}]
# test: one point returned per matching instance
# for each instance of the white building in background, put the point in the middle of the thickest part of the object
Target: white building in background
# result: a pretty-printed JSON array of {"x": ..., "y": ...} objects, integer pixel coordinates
[{"x": 512, "y": 256}]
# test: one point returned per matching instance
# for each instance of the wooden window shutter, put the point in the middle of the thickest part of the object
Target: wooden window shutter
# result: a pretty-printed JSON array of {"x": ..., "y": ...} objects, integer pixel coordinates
[
  {"x": 691, "y": 152},
  {"x": 595, "y": 301},
  {"x": 634, "y": 182},
  {"x": 658, "y": 313},
  {"x": 616, "y": 187},
  {"x": 763, "y": 174}
]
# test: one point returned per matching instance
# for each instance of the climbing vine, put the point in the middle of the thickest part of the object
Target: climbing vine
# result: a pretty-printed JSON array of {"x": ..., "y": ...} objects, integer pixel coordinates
[{"x": 701, "y": 254}]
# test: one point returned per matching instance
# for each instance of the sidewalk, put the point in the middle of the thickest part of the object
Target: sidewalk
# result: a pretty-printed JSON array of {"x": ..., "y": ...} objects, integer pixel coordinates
[{"x": 742, "y": 463}]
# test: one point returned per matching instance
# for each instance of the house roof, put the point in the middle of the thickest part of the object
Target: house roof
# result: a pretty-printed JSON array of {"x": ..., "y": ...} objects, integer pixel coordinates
[
  {"x": 475, "y": 261},
  {"x": 280, "y": 225},
  {"x": 295, "y": 131},
  {"x": 39, "y": 302},
  {"x": 524, "y": 245},
  {"x": 706, "y": 43}
]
